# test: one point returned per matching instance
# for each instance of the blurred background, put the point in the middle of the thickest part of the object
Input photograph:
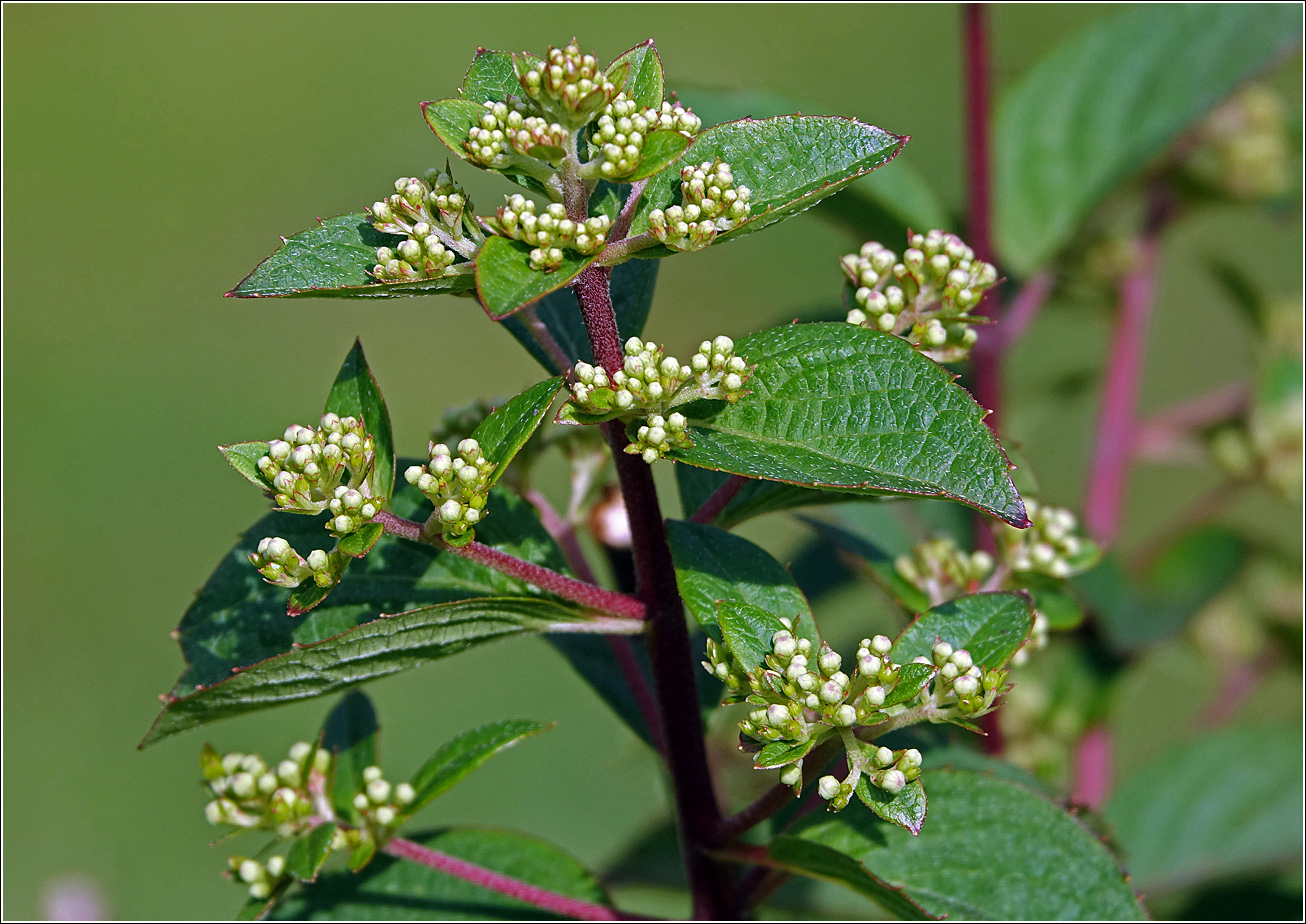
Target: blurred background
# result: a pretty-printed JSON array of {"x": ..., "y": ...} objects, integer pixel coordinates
[{"x": 181, "y": 141}]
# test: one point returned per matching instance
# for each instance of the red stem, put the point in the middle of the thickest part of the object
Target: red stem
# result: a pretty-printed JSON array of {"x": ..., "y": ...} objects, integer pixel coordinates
[
  {"x": 720, "y": 499},
  {"x": 1113, "y": 446},
  {"x": 497, "y": 882},
  {"x": 587, "y": 595},
  {"x": 1093, "y": 767},
  {"x": 668, "y": 637}
]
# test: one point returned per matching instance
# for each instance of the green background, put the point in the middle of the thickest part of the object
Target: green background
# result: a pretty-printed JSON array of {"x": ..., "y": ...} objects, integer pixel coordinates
[{"x": 154, "y": 153}]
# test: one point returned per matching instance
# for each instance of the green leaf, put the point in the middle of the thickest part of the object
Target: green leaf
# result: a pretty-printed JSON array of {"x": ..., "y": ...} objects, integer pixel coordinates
[
  {"x": 335, "y": 260},
  {"x": 1224, "y": 804},
  {"x": 362, "y": 854},
  {"x": 361, "y": 541},
  {"x": 507, "y": 283},
  {"x": 375, "y": 649},
  {"x": 460, "y": 756},
  {"x": 349, "y": 733},
  {"x": 713, "y": 565},
  {"x": 507, "y": 429},
  {"x": 906, "y": 809},
  {"x": 990, "y": 626},
  {"x": 816, "y": 861},
  {"x": 644, "y": 76},
  {"x": 836, "y": 406},
  {"x": 1105, "y": 103},
  {"x": 307, "y": 596},
  {"x": 747, "y": 630},
  {"x": 490, "y": 77},
  {"x": 661, "y": 148},
  {"x": 754, "y": 498},
  {"x": 789, "y": 163},
  {"x": 355, "y": 394},
  {"x": 912, "y": 678},
  {"x": 632, "y": 285},
  {"x": 878, "y": 564},
  {"x": 452, "y": 119},
  {"x": 399, "y": 890},
  {"x": 991, "y": 850},
  {"x": 309, "y": 852},
  {"x": 243, "y": 457},
  {"x": 778, "y": 753},
  {"x": 1136, "y": 612}
]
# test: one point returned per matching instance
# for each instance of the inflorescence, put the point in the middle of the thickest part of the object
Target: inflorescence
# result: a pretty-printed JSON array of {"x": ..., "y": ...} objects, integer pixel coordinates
[
  {"x": 650, "y": 384},
  {"x": 429, "y": 210},
  {"x": 711, "y": 205},
  {"x": 458, "y": 486},
  {"x": 622, "y": 129},
  {"x": 551, "y": 232},
  {"x": 803, "y": 697},
  {"x": 926, "y": 297}
]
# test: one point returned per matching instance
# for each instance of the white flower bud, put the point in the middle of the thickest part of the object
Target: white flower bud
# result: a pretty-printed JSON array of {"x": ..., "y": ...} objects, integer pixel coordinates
[
  {"x": 828, "y": 787},
  {"x": 893, "y": 782},
  {"x": 385, "y": 816},
  {"x": 942, "y": 651},
  {"x": 250, "y": 871},
  {"x": 845, "y": 715},
  {"x": 881, "y": 645},
  {"x": 371, "y": 773},
  {"x": 404, "y": 793},
  {"x": 378, "y": 791},
  {"x": 873, "y": 697}
]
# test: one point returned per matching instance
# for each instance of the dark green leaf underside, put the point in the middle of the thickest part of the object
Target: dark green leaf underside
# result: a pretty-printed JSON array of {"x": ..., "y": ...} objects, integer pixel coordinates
[
  {"x": 836, "y": 406},
  {"x": 747, "y": 631},
  {"x": 507, "y": 283}
]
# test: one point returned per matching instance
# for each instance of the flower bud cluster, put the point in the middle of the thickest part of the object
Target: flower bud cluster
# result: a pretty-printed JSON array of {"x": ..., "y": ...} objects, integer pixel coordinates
[
  {"x": 306, "y": 466},
  {"x": 1269, "y": 445},
  {"x": 925, "y": 297},
  {"x": 942, "y": 570},
  {"x": 650, "y": 384},
  {"x": 430, "y": 211},
  {"x": 551, "y": 232},
  {"x": 960, "y": 683},
  {"x": 381, "y": 805},
  {"x": 1245, "y": 149},
  {"x": 711, "y": 204},
  {"x": 458, "y": 485},
  {"x": 1051, "y": 545},
  {"x": 889, "y": 770},
  {"x": 622, "y": 128},
  {"x": 248, "y": 793},
  {"x": 280, "y": 564},
  {"x": 510, "y": 127},
  {"x": 262, "y": 878},
  {"x": 569, "y": 85}
]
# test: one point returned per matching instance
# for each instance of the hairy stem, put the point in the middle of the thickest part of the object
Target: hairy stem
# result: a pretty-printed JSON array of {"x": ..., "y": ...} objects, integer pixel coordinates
[
  {"x": 497, "y": 882},
  {"x": 587, "y": 595},
  {"x": 668, "y": 637},
  {"x": 621, "y": 226}
]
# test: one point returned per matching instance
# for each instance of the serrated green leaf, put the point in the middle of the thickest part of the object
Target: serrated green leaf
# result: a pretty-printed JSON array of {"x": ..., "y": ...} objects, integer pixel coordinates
[
  {"x": 375, "y": 649},
  {"x": 349, "y": 733},
  {"x": 507, "y": 429},
  {"x": 878, "y": 564},
  {"x": 789, "y": 163},
  {"x": 713, "y": 565},
  {"x": 334, "y": 259},
  {"x": 1106, "y": 102},
  {"x": 991, "y": 850},
  {"x": 362, "y": 854},
  {"x": 912, "y": 678},
  {"x": 906, "y": 809},
  {"x": 661, "y": 148},
  {"x": 507, "y": 283},
  {"x": 836, "y": 406},
  {"x": 644, "y": 74},
  {"x": 356, "y": 394},
  {"x": 779, "y": 753},
  {"x": 243, "y": 457},
  {"x": 1225, "y": 803},
  {"x": 392, "y": 889},
  {"x": 490, "y": 77},
  {"x": 632, "y": 284},
  {"x": 361, "y": 541},
  {"x": 747, "y": 630},
  {"x": 460, "y": 756},
  {"x": 754, "y": 498},
  {"x": 989, "y": 626},
  {"x": 307, "y": 596},
  {"x": 452, "y": 119},
  {"x": 807, "y": 858},
  {"x": 309, "y": 851}
]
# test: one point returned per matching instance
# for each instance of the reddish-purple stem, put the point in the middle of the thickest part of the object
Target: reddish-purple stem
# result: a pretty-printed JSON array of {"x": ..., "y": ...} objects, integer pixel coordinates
[
  {"x": 720, "y": 499},
  {"x": 1093, "y": 756},
  {"x": 1113, "y": 446},
  {"x": 668, "y": 636},
  {"x": 1163, "y": 430},
  {"x": 587, "y": 595},
  {"x": 497, "y": 882}
]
